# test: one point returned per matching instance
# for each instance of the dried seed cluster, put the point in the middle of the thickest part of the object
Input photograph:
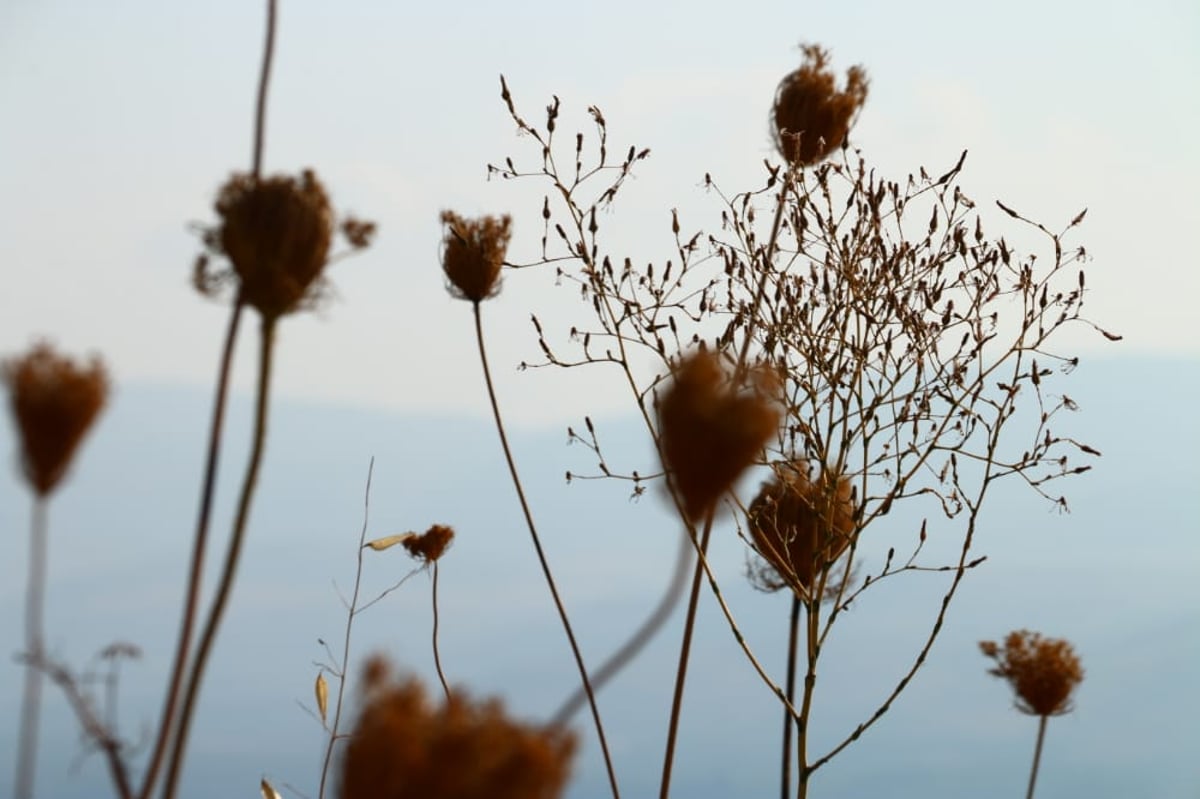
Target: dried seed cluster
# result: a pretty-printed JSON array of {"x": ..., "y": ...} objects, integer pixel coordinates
[
  {"x": 1043, "y": 672},
  {"x": 801, "y": 525},
  {"x": 473, "y": 251},
  {"x": 405, "y": 747},
  {"x": 54, "y": 401},
  {"x": 811, "y": 117},
  {"x": 431, "y": 544},
  {"x": 712, "y": 429}
]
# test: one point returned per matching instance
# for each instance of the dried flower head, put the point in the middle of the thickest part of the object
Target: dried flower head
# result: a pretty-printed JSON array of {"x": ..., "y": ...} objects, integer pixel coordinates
[
  {"x": 276, "y": 232},
  {"x": 801, "y": 525},
  {"x": 472, "y": 253},
  {"x": 1043, "y": 672},
  {"x": 429, "y": 545},
  {"x": 810, "y": 117},
  {"x": 712, "y": 429},
  {"x": 405, "y": 747},
  {"x": 54, "y": 401}
]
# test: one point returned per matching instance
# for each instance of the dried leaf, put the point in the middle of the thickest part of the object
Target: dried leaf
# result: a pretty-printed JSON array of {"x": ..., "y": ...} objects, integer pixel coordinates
[
  {"x": 268, "y": 792},
  {"x": 380, "y": 544},
  {"x": 322, "y": 691}
]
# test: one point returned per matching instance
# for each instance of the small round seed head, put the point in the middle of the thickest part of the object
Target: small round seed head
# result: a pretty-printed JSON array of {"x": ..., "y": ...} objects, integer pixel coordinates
[
  {"x": 1043, "y": 672},
  {"x": 54, "y": 402},
  {"x": 276, "y": 232},
  {"x": 711, "y": 429},
  {"x": 431, "y": 544},
  {"x": 406, "y": 747},
  {"x": 810, "y": 117},
  {"x": 473, "y": 251},
  {"x": 801, "y": 525}
]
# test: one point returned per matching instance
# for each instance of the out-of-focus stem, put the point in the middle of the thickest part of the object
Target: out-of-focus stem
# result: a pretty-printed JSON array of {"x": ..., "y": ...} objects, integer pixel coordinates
[{"x": 31, "y": 698}]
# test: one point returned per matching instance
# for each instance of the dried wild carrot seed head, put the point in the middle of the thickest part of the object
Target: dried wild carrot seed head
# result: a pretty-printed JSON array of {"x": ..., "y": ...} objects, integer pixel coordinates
[
  {"x": 473, "y": 251},
  {"x": 429, "y": 545},
  {"x": 810, "y": 117},
  {"x": 406, "y": 747},
  {"x": 801, "y": 525},
  {"x": 276, "y": 232},
  {"x": 1043, "y": 672},
  {"x": 712, "y": 430},
  {"x": 54, "y": 401}
]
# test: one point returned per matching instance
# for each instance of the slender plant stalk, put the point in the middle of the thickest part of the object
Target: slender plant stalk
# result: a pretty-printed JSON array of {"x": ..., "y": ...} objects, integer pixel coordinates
[
  {"x": 1037, "y": 756},
  {"x": 685, "y": 652},
  {"x": 812, "y": 651},
  {"x": 437, "y": 657},
  {"x": 232, "y": 556},
  {"x": 785, "y": 779},
  {"x": 199, "y": 546},
  {"x": 31, "y": 699},
  {"x": 537, "y": 545},
  {"x": 351, "y": 613}
]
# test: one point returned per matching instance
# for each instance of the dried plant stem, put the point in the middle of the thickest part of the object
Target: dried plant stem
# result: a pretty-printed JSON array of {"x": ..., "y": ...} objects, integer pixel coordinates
[
  {"x": 813, "y": 651},
  {"x": 31, "y": 698},
  {"x": 232, "y": 556},
  {"x": 1037, "y": 755},
  {"x": 264, "y": 79},
  {"x": 437, "y": 657},
  {"x": 537, "y": 544},
  {"x": 350, "y": 614},
  {"x": 685, "y": 652},
  {"x": 200, "y": 544},
  {"x": 785, "y": 779}
]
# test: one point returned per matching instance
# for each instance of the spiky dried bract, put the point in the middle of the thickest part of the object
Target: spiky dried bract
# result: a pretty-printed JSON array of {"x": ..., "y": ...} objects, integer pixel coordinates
[
  {"x": 1043, "y": 672},
  {"x": 801, "y": 525},
  {"x": 431, "y": 544},
  {"x": 276, "y": 232},
  {"x": 712, "y": 430},
  {"x": 54, "y": 401},
  {"x": 406, "y": 747},
  {"x": 811, "y": 117},
  {"x": 473, "y": 251}
]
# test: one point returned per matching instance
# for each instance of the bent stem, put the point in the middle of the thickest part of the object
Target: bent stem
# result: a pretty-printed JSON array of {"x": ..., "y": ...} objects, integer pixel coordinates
[
  {"x": 31, "y": 698},
  {"x": 437, "y": 658},
  {"x": 685, "y": 651},
  {"x": 1037, "y": 755},
  {"x": 786, "y": 767},
  {"x": 232, "y": 556},
  {"x": 537, "y": 545},
  {"x": 199, "y": 546},
  {"x": 350, "y": 614}
]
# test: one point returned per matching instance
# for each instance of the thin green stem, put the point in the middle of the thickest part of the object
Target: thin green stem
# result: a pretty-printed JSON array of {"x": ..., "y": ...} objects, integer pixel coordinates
[
  {"x": 31, "y": 697},
  {"x": 1037, "y": 755},
  {"x": 199, "y": 546},
  {"x": 685, "y": 652},
  {"x": 232, "y": 556},
  {"x": 537, "y": 544},
  {"x": 785, "y": 780},
  {"x": 437, "y": 657},
  {"x": 350, "y": 614}
]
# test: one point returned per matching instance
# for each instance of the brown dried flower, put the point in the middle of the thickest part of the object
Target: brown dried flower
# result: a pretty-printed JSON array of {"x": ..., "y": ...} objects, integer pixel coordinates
[
  {"x": 405, "y": 747},
  {"x": 276, "y": 232},
  {"x": 54, "y": 401},
  {"x": 429, "y": 545},
  {"x": 711, "y": 430},
  {"x": 810, "y": 117},
  {"x": 801, "y": 525},
  {"x": 1043, "y": 672},
  {"x": 472, "y": 253}
]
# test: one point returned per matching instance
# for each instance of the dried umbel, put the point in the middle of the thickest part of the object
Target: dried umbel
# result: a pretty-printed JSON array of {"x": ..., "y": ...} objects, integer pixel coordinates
[
  {"x": 54, "y": 401},
  {"x": 811, "y": 117},
  {"x": 429, "y": 545},
  {"x": 1043, "y": 672},
  {"x": 472, "y": 253},
  {"x": 276, "y": 232},
  {"x": 712, "y": 429},
  {"x": 801, "y": 525},
  {"x": 406, "y": 747}
]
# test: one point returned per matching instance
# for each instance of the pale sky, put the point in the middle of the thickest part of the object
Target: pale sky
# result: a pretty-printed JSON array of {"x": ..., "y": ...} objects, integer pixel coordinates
[{"x": 121, "y": 120}]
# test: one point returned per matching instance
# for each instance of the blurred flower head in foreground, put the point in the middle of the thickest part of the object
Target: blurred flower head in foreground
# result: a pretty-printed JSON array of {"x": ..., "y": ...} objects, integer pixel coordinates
[
  {"x": 407, "y": 747},
  {"x": 1043, "y": 672},
  {"x": 810, "y": 117},
  {"x": 54, "y": 402}
]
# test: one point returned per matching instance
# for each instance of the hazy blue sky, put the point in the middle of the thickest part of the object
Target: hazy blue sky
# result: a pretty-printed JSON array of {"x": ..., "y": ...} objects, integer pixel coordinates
[{"x": 118, "y": 122}]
